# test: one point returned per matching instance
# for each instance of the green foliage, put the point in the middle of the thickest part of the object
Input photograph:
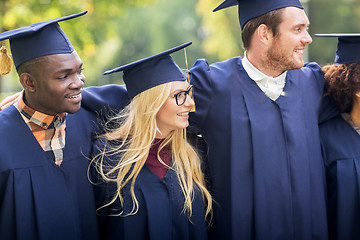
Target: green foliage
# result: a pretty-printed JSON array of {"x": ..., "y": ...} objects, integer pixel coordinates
[
  {"x": 331, "y": 16},
  {"x": 222, "y": 28},
  {"x": 148, "y": 29},
  {"x": 326, "y": 16},
  {"x": 114, "y": 33}
]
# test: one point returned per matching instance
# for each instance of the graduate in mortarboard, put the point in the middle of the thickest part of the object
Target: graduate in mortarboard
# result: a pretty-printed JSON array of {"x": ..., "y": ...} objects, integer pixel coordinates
[
  {"x": 340, "y": 138},
  {"x": 46, "y": 141},
  {"x": 259, "y": 116},
  {"x": 153, "y": 186}
]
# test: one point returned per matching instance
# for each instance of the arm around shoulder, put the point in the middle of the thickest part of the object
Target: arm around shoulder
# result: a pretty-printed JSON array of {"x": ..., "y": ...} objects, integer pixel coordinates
[
  {"x": 105, "y": 98},
  {"x": 328, "y": 110},
  {"x": 200, "y": 77}
]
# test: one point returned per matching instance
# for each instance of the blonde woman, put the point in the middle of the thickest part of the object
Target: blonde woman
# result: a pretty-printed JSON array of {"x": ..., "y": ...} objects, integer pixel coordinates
[{"x": 154, "y": 187}]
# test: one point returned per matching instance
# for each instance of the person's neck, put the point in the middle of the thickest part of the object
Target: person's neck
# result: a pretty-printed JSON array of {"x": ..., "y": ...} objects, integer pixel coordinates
[
  {"x": 260, "y": 62},
  {"x": 355, "y": 112},
  {"x": 161, "y": 135},
  {"x": 27, "y": 98}
]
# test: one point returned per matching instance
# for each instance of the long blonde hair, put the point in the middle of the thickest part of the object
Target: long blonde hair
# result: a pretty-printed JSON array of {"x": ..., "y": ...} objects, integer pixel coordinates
[{"x": 134, "y": 135}]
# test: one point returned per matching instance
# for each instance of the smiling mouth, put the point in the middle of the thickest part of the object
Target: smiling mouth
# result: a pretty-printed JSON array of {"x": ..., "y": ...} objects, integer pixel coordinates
[
  {"x": 74, "y": 96},
  {"x": 300, "y": 51},
  {"x": 183, "y": 114}
]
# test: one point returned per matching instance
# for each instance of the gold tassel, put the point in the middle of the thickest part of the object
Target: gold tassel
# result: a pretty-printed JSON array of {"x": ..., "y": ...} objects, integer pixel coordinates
[
  {"x": 193, "y": 108},
  {"x": 5, "y": 61}
]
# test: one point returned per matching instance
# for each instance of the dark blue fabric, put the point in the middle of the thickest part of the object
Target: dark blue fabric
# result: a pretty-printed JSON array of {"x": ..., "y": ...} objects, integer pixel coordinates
[
  {"x": 38, "y": 199},
  {"x": 341, "y": 149},
  {"x": 151, "y": 71},
  {"x": 264, "y": 156},
  {"x": 160, "y": 214},
  {"x": 47, "y": 41},
  {"x": 105, "y": 100},
  {"x": 348, "y": 50}
]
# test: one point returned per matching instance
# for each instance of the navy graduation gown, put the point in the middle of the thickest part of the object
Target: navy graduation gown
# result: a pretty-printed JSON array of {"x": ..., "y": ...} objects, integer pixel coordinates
[
  {"x": 38, "y": 199},
  {"x": 341, "y": 149},
  {"x": 160, "y": 214},
  {"x": 104, "y": 100},
  {"x": 264, "y": 156}
]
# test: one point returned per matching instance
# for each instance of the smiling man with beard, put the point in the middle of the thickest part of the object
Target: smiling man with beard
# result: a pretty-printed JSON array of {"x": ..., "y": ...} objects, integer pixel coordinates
[
  {"x": 46, "y": 141},
  {"x": 259, "y": 117}
]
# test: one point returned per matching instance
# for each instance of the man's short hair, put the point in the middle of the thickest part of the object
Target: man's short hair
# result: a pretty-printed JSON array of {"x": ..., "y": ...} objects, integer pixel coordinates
[
  {"x": 31, "y": 65},
  {"x": 271, "y": 19}
]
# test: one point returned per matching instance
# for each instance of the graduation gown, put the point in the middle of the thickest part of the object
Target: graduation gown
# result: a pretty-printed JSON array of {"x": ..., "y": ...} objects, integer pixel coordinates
[
  {"x": 341, "y": 149},
  {"x": 265, "y": 162},
  {"x": 160, "y": 214},
  {"x": 105, "y": 100},
  {"x": 38, "y": 199}
]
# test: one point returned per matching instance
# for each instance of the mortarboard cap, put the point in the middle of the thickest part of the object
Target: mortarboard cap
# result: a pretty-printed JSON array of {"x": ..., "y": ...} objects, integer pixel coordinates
[
  {"x": 151, "y": 71},
  {"x": 39, "y": 39},
  {"x": 249, "y": 9},
  {"x": 348, "y": 48}
]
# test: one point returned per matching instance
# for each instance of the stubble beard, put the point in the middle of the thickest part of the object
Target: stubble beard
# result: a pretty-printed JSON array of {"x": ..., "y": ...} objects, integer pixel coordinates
[{"x": 279, "y": 61}]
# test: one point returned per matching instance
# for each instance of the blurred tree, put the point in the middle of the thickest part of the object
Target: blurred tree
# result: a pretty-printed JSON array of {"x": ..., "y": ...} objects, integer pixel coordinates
[
  {"x": 114, "y": 33},
  {"x": 90, "y": 35},
  {"x": 326, "y": 16},
  {"x": 222, "y": 29},
  {"x": 331, "y": 16},
  {"x": 148, "y": 29}
]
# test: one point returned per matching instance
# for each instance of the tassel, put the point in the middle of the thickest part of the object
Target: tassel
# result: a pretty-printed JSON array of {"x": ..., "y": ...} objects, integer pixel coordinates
[
  {"x": 193, "y": 108},
  {"x": 5, "y": 61}
]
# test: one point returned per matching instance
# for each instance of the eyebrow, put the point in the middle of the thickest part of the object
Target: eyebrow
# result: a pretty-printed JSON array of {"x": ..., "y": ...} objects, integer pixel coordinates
[
  {"x": 180, "y": 90},
  {"x": 302, "y": 25}
]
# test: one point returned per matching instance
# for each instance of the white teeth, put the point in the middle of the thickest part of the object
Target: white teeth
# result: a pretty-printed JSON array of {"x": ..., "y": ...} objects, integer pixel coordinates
[
  {"x": 183, "y": 114},
  {"x": 75, "y": 96},
  {"x": 299, "y": 51}
]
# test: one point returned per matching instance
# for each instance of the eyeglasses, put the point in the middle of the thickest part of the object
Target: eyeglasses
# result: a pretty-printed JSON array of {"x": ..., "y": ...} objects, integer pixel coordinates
[{"x": 180, "y": 97}]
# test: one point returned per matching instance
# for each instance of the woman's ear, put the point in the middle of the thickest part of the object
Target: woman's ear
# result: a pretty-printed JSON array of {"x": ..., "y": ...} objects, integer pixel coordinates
[
  {"x": 28, "y": 82},
  {"x": 357, "y": 95}
]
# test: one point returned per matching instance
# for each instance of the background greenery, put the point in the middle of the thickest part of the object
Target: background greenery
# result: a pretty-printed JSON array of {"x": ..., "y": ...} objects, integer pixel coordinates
[{"x": 117, "y": 32}]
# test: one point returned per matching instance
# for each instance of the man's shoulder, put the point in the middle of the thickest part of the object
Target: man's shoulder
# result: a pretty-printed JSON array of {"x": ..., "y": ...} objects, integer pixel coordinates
[
  {"x": 8, "y": 115},
  {"x": 84, "y": 117},
  {"x": 103, "y": 98},
  {"x": 106, "y": 88},
  {"x": 204, "y": 63},
  {"x": 310, "y": 70},
  {"x": 202, "y": 68},
  {"x": 311, "y": 66}
]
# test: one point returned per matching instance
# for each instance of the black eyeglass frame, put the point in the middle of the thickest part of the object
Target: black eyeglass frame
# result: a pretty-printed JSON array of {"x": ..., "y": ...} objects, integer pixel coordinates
[{"x": 187, "y": 92}]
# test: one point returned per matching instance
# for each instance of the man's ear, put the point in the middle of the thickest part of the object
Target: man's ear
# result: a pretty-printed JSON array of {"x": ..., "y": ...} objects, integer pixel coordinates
[
  {"x": 28, "y": 82},
  {"x": 264, "y": 34}
]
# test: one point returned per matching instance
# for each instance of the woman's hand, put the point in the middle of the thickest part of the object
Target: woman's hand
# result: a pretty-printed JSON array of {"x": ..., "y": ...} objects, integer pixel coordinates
[{"x": 10, "y": 100}]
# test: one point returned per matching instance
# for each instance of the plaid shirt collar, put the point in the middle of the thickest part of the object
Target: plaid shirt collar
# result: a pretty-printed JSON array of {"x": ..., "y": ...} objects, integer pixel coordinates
[
  {"x": 48, "y": 130},
  {"x": 42, "y": 120}
]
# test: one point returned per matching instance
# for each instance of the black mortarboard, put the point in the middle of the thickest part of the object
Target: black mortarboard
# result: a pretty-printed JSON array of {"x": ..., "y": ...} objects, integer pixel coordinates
[
  {"x": 348, "y": 48},
  {"x": 39, "y": 39},
  {"x": 151, "y": 71},
  {"x": 249, "y": 9}
]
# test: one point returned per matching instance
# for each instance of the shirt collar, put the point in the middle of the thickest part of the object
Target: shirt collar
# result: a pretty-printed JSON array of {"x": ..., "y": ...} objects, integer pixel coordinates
[
  {"x": 256, "y": 75},
  {"x": 38, "y": 118}
]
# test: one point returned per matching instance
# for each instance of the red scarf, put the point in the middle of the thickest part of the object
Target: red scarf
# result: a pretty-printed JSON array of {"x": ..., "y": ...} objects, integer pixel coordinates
[{"x": 154, "y": 164}]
